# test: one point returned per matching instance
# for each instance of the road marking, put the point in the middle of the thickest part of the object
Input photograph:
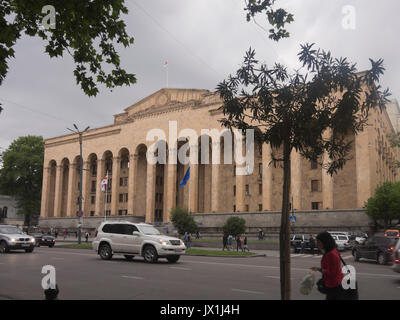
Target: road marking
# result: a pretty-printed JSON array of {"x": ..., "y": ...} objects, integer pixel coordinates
[
  {"x": 247, "y": 291},
  {"x": 273, "y": 277},
  {"x": 132, "y": 277},
  {"x": 307, "y": 255},
  {"x": 178, "y": 268},
  {"x": 347, "y": 257},
  {"x": 58, "y": 258},
  {"x": 378, "y": 275}
]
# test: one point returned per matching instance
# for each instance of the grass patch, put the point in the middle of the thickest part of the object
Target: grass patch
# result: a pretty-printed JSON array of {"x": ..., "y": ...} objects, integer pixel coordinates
[
  {"x": 76, "y": 246},
  {"x": 218, "y": 252}
]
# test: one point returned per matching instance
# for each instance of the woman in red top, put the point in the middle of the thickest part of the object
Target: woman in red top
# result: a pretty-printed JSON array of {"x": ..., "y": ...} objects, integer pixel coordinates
[{"x": 331, "y": 267}]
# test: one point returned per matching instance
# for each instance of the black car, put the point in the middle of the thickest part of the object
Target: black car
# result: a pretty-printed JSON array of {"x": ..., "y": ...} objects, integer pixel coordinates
[
  {"x": 297, "y": 239},
  {"x": 378, "y": 248},
  {"x": 44, "y": 240}
]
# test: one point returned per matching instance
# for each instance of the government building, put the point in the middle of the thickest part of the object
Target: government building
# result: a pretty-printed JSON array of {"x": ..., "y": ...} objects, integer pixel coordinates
[{"x": 148, "y": 191}]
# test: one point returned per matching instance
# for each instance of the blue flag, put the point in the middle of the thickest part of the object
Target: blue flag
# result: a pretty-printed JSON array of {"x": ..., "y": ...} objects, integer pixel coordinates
[{"x": 185, "y": 178}]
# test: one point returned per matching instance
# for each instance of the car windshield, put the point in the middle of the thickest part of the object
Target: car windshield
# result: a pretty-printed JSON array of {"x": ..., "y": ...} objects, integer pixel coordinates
[
  {"x": 391, "y": 233},
  {"x": 10, "y": 230},
  {"x": 149, "y": 230}
]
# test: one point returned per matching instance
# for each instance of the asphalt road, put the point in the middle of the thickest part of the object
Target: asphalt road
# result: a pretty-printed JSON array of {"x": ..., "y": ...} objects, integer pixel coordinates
[{"x": 81, "y": 274}]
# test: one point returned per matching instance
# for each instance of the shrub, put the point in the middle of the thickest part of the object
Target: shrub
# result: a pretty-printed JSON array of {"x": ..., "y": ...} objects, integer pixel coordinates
[
  {"x": 183, "y": 221},
  {"x": 235, "y": 226}
]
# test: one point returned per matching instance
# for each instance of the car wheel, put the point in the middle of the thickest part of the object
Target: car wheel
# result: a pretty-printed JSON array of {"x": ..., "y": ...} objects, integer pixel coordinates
[
  {"x": 173, "y": 259},
  {"x": 357, "y": 256},
  {"x": 105, "y": 252},
  {"x": 29, "y": 250},
  {"x": 150, "y": 254},
  {"x": 51, "y": 246},
  {"x": 381, "y": 259},
  {"x": 128, "y": 257},
  {"x": 4, "y": 247}
]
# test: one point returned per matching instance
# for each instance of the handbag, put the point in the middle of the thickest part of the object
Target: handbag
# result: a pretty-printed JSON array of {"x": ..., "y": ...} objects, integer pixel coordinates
[{"x": 347, "y": 294}]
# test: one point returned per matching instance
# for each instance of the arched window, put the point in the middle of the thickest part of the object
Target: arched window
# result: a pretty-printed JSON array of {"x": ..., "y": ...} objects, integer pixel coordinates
[{"x": 5, "y": 212}]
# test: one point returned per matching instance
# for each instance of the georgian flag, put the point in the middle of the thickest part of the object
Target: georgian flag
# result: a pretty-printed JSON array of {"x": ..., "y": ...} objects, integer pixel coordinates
[
  {"x": 166, "y": 64},
  {"x": 104, "y": 183}
]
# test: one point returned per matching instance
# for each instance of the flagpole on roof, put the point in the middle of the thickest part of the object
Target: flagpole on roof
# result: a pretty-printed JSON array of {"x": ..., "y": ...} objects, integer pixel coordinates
[{"x": 166, "y": 71}]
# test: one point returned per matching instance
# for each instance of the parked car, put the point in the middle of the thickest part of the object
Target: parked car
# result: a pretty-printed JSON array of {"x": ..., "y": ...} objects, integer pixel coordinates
[
  {"x": 130, "y": 239},
  {"x": 378, "y": 248},
  {"x": 342, "y": 241},
  {"x": 396, "y": 257},
  {"x": 44, "y": 240},
  {"x": 358, "y": 237},
  {"x": 297, "y": 239},
  {"x": 12, "y": 238}
]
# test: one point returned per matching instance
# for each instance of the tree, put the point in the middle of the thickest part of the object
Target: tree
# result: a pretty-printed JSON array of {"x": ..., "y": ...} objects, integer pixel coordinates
[
  {"x": 80, "y": 24},
  {"x": 21, "y": 174},
  {"x": 276, "y": 18},
  {"x": 311, "y": 111},
  {"x": 234, "y": 226},
  {"x": 183, "y": 221},
  {"x": 385, "y": 205}
]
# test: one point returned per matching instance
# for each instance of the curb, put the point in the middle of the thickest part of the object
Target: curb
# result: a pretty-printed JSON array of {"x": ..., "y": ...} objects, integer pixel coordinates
[{"x": 216, "y": 256}]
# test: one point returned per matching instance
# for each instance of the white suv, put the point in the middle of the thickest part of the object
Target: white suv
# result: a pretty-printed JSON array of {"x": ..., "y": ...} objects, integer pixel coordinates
[{"x": 130, "y": 239}]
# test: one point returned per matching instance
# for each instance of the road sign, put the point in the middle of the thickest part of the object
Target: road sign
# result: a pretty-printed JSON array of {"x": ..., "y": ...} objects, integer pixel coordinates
[
  {"x": 292, "y": 219},
  {"x": 79, "y": 213}
]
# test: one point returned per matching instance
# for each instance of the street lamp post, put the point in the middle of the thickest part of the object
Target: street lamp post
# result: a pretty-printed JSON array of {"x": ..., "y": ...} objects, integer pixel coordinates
[{"x": 80, "y": 213}]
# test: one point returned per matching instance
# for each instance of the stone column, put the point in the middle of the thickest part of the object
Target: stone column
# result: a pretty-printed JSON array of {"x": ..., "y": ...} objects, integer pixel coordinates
[
  {"x": 150, "y": 192},
  {"x": 71, "y": 199},
  {"x": 296, "y": 175},
  {"x": 99, "y": 193},
  {"x": 115, "y": 185},
  {"x": 170, "y": 195},
  {"x": 85, "y": 188},
  {"x": 194, "y": 185},
  {"x": 266, "y": 177},
  {"x": 44, "y": 205},
  {"x": 58, "y": 190},
  {"x": 133, "y": 164}
]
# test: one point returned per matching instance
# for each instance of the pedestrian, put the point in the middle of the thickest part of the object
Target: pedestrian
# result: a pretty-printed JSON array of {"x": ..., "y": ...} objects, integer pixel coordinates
[
  {"x": 238, "y": 243},
  {"x": 230, "y": 240},
  {"x": 87, "y": 236},
  {"x": 65, "y": 234},
  {"x": 259, "y": 234},
  {"x": 56, "y": 234},
  {"x": 245, "y": 247},
  {"x": 311, "y": 244},
  {"x": 331, "y": 268},
  {"x": 185, "y": 239},
  {"x": 225, "y": 241},
  {"x": 303, "y": 246}
]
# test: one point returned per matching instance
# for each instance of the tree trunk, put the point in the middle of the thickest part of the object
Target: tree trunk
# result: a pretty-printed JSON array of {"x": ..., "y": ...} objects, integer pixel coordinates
[{"x": 284, "y": 238}]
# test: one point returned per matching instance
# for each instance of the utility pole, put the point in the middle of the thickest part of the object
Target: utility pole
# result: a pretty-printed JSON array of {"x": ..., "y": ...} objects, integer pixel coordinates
[{"x": 80, "y": 212}]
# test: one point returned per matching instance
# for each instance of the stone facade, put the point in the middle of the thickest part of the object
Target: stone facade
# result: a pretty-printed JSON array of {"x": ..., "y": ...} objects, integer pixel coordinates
[
  {"x": 8, "y": 211},
  {"x": 149, "y": 191}
]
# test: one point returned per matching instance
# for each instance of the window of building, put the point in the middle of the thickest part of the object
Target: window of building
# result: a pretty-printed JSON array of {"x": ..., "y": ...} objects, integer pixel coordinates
[
  {"x": 260, "y": 188},
  {"x": 234, "y": 171},
  {"x": 247, "y": 208},
  {"x": 93, "y": 170},
  {"x": 93, "y": 199},
  {"x": 121, "y": 197},
  {"x": 157, "y": 179},
  {"x": 259, "y": 207},
  {"x": 92, "y": 213},
  {"x": 260, "y": 170},
  {"x": 234, "y": 191},
  {"x": 123, "y": 182},
  {"x": 247, "y": 190},
  {"x": 109, "y": 198},
  {"x": 314, "y": 185},
  {"x": 314, "y": 165},
  {"x": 93, "y": 188},
  {"x": 108, "y": 212},
  {"x": 120, "y": 212},
  {"x": 5, "y": 209},
  {"x": 234, "y": 208},
  {"x": 316, "y": 205},
  {"x": 109, "y": 184}
]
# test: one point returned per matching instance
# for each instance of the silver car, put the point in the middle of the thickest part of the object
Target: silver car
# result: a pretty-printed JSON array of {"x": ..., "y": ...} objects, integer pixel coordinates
[
  {"x": 12, "y": 238},
  {"x": 130, "y": 239},
  {"x": 396, "y": 257}
]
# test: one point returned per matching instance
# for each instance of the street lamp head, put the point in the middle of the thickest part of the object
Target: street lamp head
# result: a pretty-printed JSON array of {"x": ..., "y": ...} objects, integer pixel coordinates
[
  {"x": 76, "y": 127},
  {"x": 86, "y": 129}
]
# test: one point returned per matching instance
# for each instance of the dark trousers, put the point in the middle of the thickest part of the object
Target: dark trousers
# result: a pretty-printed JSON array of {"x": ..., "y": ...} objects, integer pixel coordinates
[{"x": 335, "y": 293}]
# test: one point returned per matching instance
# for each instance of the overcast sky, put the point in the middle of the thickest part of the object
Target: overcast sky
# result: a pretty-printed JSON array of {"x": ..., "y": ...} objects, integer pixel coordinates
[{"x": 203, "y": 41}]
